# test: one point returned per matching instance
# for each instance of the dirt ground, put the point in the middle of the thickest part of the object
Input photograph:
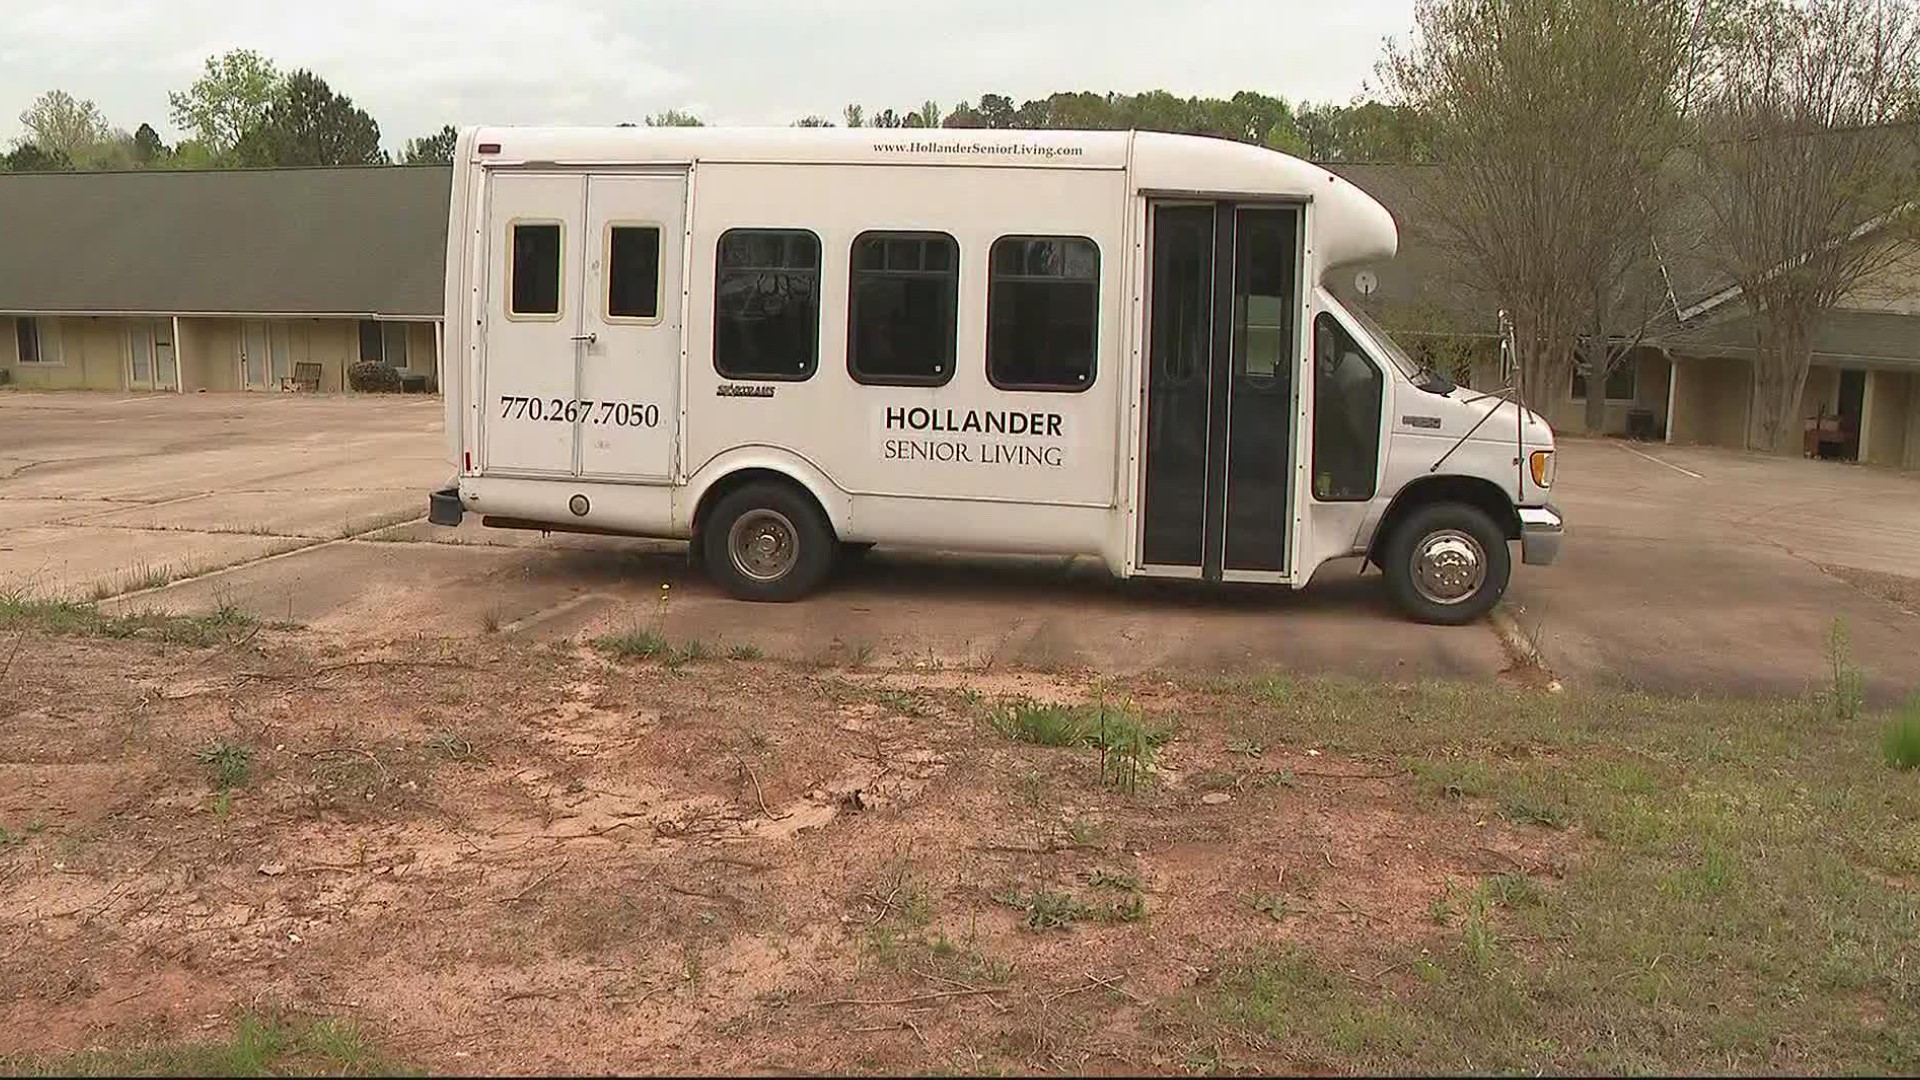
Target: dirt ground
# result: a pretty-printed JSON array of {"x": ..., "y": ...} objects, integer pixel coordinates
[{"x": 500, "y": 856}]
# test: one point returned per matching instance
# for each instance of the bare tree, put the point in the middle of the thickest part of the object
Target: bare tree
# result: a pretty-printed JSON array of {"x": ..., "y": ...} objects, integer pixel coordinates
[
  {"x": 1553, "y": 121},
  {"x": 1809, "y": 175},
  {"x": 57, "y": 122}
]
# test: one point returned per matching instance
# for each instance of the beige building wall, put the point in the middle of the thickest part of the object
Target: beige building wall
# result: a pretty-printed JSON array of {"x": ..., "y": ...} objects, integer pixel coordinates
[
  {"x": 1651, "y": 372},
  {"x": 1822, "y": 393},
  {"x": 1890, "y": 398},
  {"x": 77, "y": 353},
  {"x": 1711, "y": 401},
  {"x": 209, "y": 354},
  {"x": 1911, "y": 458}
]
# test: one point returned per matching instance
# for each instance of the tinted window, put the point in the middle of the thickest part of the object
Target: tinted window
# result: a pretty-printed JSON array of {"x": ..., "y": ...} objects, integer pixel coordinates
[
  {"x": 395, "y": 345},
  {"x": 1620, "y": 382},
  {"x": 1347, "y": 388},
  {"x": 535, "y": 275},
  {"x": 905, "y": 289},
  {"x": 26, "y": 335},
  {"x": 766, "y": 308},
  {"x": 633, "y": 272},
  {"x": 371, "y": 346},
  {"x": 1043, "y": 312}
]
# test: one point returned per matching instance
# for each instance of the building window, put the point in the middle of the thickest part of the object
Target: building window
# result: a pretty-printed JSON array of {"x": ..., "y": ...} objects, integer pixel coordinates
[
  {"x": 1043, "y": 312},
  {"x": 766, "y": 304},
  {"x": 905, "y": 290},
  {"x": 1620, "y": 382},
  {"x": 534, "y": 276},
  {"x": 395, "y": 340},
  {"x": 26, "y": 337},
  {"x": 384, "y": 342},
  {"x": 633, "y": 272}
]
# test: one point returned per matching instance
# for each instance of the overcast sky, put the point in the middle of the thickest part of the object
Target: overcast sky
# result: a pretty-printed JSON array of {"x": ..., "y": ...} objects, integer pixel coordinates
[{"x": 416, "y": 64}]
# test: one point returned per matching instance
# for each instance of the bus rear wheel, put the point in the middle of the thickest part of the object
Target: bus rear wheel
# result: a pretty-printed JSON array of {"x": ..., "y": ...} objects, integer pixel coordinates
[
  {"x": 768, "y": 541},
  {"x": 1447, "y": 563}
]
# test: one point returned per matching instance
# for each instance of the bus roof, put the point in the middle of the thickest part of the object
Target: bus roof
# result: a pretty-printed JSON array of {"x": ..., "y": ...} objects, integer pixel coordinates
[{"x": 1349, "y": 225}]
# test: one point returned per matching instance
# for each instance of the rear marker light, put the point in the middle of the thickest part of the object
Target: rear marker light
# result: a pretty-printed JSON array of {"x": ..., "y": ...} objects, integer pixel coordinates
[{"x": 489, "y": 147}]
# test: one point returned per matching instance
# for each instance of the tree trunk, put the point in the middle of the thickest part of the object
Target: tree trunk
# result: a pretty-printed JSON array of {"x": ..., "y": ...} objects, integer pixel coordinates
[
  {"x": 1596, "y": 414},
  {"x": 1779, "y": 380}
]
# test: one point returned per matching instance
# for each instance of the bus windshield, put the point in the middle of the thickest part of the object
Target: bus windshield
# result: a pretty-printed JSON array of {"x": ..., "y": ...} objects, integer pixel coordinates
[{"x": 1416, "y": 372}]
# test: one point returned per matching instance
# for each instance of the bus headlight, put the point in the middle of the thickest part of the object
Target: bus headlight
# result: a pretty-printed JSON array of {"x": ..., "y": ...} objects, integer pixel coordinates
[{"x": 1540, "y": 462}]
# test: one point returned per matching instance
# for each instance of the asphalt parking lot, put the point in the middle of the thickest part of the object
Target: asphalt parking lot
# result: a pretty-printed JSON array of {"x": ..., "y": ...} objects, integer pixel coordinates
[{"x": 1685, "y": 570}]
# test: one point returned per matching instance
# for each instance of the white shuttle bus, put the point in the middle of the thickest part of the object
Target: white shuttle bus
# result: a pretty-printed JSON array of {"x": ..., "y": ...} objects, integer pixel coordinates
[{"x": 788, "y": 345}]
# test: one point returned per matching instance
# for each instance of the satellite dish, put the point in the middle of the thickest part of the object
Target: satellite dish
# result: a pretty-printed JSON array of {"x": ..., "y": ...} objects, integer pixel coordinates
[{"x": 1366, "y": 282}]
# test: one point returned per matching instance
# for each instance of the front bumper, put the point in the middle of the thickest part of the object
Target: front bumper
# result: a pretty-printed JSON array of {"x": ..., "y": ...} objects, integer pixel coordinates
[
  {"x": 444, "y": 507},
  {"x": 1541, "y": 528}
]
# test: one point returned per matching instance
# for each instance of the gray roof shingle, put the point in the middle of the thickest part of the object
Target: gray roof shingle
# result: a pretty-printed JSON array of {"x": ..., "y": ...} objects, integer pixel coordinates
[{"x": 347, "y": 241}]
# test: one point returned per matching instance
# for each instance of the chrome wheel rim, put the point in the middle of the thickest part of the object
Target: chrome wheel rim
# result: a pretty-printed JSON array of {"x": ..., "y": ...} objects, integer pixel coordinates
[
  {"x": 764, "y": 544},
  {"x": 1449, "y": 567}
]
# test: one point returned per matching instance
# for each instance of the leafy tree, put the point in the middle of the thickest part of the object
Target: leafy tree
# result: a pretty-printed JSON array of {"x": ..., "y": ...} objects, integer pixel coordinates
[
  {"x": 28, "y": 157},
  {"x": 147, "y": 146},
  {"x": 434, "y": 149},
  {"x": 1808, "y": 167},
  {"x": 1365, "y": 131},
  {"x": 228, "y": 100},
  {"x": 813, "y": 121},
  {"x": 855, "y": 116},
  {"x": 59, "y": 123},
  {"x": 308, "y": 123},
  {"x": 1555, "y": 122},
  {"x": 674, "y": 118}
]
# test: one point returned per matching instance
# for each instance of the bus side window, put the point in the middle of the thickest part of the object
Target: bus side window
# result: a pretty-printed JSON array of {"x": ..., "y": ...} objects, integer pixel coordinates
[
  {"x": 766, "y": 304},
  {"x": 904, "y": 291},
  {"x": 1347, "y": 391},
  {"x": 633, "y": 272},
  {"x": 533, "y": 276},
  {"x": 1043, "y": 312}
]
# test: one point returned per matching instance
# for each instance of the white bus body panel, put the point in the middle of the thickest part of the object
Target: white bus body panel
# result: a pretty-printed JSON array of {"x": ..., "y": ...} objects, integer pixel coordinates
[{"x": 879, "y": 459}]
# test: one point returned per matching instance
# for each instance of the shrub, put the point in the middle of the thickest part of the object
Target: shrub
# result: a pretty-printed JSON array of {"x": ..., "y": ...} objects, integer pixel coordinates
[
  {"x": 1901, "y": 743},
  {"x": 373, "y": 377}
]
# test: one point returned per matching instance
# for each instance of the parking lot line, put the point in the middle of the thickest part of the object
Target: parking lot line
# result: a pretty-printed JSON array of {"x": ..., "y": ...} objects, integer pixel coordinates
[{"x": 1658, "y": 461}]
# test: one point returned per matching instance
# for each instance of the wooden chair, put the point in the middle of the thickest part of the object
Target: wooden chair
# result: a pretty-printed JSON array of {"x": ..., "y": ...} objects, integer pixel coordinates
[{"x": 306, "y": 376}]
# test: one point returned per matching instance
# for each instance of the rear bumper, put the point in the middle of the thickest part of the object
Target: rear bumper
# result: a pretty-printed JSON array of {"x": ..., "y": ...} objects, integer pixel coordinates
[
  {"x": 444, "y": 507},
  {"x": 1541, "y": 528}
]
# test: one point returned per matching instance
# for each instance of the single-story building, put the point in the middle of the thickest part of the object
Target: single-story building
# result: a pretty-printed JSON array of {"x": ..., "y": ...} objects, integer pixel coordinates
[
  {"x": 266, "y": 279},
  {"x": 254, "y": 279},
  {"x": 1690, "y": 379}
]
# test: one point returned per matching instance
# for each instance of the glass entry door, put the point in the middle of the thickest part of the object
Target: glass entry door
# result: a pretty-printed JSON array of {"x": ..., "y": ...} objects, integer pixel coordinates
[
  {"x": 1223, "y": 342},
  {"x": 150, "y": 357}
]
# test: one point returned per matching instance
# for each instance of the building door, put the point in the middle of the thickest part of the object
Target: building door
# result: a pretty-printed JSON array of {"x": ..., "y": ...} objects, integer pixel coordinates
[
  {"x": 166, "y": 361},
  {"x": 279, "y": 354},
  {"x": 1223, "y": 352},
  {"x": 140, "y": 355},
  {"x": 253, "y": 355},
  {"x": 1852, "y": 403},
  {"x": 630, "y": 362},
  {"x": 582, "y": 335}
]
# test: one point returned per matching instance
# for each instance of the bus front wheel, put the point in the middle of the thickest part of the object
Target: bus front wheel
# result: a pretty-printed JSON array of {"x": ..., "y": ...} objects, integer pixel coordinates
[
  {"x": 1447, "y": 563},
  {"x": 768, "y": 541}
]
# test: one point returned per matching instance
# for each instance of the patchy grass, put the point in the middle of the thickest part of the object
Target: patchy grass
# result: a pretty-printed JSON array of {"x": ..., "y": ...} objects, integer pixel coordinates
[
  {"x": 257, "y": 1046},
  {"x": 1742, "y": 898},
  {"x": 1900, "y": 742},
  {"x": 744, "y": 651},
  {"x": 1125, "y": 743},
  {"x": 73, "y": 618},
  {"x": 638, "y": 643},
  {"x": 227, "y": 763}
]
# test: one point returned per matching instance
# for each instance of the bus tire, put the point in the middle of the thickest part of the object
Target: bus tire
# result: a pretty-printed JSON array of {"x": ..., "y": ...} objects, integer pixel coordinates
[
  {"x": 768, "y": 541},
  {"x": 1447, "y": 563}
]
